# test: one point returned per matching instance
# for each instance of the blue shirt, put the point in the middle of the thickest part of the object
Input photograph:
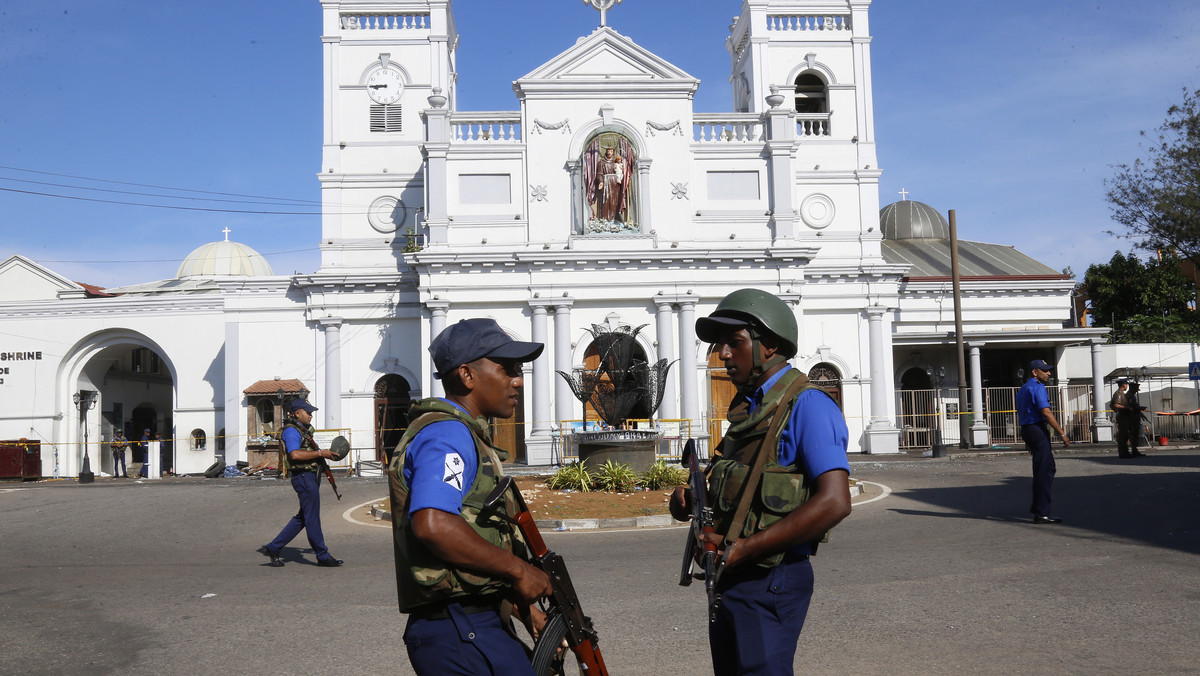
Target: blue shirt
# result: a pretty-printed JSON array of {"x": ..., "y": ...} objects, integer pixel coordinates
[
  {"x": 440, "y": 465},
  {"x": 1031, "y": 399},
  {"x": 815, "y": 436},
  {"x": 291, "y": 439}
]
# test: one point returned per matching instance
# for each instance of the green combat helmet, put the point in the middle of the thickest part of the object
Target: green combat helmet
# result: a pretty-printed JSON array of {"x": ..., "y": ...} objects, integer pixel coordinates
[{"x": 759, "y": 312}]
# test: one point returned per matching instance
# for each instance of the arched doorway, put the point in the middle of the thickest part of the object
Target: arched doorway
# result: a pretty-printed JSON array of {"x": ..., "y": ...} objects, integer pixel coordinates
[
  {"x": 827, "y": 377},
  {"x": 392, "y": 401}
]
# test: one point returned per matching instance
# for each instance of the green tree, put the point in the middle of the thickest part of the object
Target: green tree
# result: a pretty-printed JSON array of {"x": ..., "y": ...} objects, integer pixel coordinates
[
  {"x": 1143, "y": 302},
  {"x": 1157, "y": 199}
]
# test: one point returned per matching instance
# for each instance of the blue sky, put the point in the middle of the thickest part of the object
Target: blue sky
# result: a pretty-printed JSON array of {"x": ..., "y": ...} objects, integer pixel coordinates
[{"x": 1010, "y": 113}]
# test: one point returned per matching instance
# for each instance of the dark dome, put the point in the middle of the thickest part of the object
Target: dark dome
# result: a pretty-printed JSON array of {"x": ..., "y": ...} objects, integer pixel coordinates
[{"x": 909, "y": 219}]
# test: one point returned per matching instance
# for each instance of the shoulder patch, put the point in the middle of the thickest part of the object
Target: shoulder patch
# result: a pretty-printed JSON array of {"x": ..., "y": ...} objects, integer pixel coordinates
[{"x": 453, "y": 474}]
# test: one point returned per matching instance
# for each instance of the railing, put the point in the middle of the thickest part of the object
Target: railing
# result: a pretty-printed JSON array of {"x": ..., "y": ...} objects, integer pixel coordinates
[
  {"x": 810, "y": 124},
  {"x": 808, "y": 22},
  {"x": 384, "y": 21},
  {"x": 921, "y": 415},
  {"x": 486, "y": 127},
  {"x": 727, "y": 128}
]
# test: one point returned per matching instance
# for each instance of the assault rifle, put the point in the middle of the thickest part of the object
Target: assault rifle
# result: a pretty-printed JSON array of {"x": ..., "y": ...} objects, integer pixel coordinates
[
  {"x": 698, "y": 549},
  {"x": 564, "y": 617}
]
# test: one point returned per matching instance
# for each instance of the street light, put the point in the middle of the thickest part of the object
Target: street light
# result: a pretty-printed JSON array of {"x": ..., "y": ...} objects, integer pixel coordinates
[
  {"x": 85, "y": 400},
  {"x": 937, "y": 449}
]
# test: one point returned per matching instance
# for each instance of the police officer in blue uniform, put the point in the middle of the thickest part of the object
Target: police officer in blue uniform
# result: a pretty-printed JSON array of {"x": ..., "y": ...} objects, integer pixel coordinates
[
  {"x": 459, "y": 572},
  {"x": 767, "y": 581},
  {"x": 305, "y": 460},
  {"x": 1034, "y": 415}
]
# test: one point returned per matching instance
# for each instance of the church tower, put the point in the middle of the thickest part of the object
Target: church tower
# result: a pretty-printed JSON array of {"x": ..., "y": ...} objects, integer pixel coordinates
[{"x": 383, "y": 62}]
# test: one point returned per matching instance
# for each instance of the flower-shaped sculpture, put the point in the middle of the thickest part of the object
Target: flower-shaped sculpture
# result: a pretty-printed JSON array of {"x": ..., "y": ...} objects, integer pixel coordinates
[{"x": 622, "y": 379}]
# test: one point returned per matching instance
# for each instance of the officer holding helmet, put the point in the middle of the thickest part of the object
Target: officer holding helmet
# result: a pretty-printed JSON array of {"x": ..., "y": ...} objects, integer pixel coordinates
[{"x": 798, "y": 434}]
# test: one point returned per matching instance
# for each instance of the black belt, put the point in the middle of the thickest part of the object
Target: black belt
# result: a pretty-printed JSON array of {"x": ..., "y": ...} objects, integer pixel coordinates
[{"x": 441, "y": 613}]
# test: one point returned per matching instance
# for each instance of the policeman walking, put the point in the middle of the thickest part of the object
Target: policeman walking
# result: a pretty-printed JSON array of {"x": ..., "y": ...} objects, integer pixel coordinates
[
  {"x": 305, "y": 460},
  {"x": 796, "y": 434}
]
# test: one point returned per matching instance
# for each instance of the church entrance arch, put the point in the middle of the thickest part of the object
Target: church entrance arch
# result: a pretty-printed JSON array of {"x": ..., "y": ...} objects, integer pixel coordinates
[
  {"x": 392, "y": 401},
  {"x": 134, "y": 386},
  {"x": 827, "y": 377}
]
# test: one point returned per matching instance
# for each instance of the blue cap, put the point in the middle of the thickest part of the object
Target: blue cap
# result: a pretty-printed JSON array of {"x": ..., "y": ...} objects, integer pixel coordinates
[
  {"x": 1040, "y": 365},
  {"x": 472, "y": 339},
  {"x": 299, "y": 404}
]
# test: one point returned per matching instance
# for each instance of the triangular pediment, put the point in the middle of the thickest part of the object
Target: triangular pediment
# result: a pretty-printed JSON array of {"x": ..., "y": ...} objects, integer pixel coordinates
[
  {"x": 606, "y": 56},
  {"x": 22, "y": 280}
]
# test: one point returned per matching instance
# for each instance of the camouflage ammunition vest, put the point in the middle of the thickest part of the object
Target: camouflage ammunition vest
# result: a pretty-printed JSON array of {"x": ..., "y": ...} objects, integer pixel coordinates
[
  {"x": 306, "y": 444},
  {"x": 782, "y": 489},
  {"x": 422, "y": 579}
]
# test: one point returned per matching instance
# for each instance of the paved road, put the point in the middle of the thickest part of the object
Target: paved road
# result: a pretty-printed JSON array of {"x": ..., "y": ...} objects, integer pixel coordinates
[{"x": 944, "y": 575}]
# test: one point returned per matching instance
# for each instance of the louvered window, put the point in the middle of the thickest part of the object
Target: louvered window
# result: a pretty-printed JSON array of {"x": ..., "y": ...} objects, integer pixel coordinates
[{"x": 385, "y": 118}]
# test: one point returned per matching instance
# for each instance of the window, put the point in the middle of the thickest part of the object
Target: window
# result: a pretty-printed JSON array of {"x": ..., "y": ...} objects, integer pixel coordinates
[
  {"x": 811, "y": 94},
  {"x": 385, "y": 118},
  {"x": 199, "y": 440}
]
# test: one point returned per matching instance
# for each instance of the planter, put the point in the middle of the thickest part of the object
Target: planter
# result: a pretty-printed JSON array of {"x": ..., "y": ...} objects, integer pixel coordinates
[
  {"x": 1162, "y": 441},
  {"x": 635, "y": 448}
]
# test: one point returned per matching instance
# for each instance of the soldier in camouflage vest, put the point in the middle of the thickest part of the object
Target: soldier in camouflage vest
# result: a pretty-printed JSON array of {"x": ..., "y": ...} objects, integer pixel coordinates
[
  {"x": 802, "y": 493},
  {"x": 459, "y": 573},
  {"x": 305, "y": 461}
]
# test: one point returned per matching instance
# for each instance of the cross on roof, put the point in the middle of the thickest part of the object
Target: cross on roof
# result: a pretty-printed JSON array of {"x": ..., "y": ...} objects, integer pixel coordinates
[
  {"x": 903, "y": 194},
  {"x": 603, "y": 6},
  {"x": 226, "y": 231}
]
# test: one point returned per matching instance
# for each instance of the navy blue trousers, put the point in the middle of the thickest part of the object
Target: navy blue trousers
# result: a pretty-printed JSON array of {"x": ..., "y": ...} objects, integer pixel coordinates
[
  {"x": 759, "y": 620},
  {"x": 119, "y": 461},
  {"x": 308, "y": 519},
  {"x": 464, "y": 645},
  {"x": 1037, "y": 441}
]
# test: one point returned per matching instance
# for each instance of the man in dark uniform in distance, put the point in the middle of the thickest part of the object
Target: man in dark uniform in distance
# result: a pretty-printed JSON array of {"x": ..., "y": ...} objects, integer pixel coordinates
[
  {"x": 458, "y": 573},
  {"x": 1125, "y": 424},
  {"x": 305, "y": 461},
  {"x": 767, "y": 582},
  {"x": 1034, "y": 414}
]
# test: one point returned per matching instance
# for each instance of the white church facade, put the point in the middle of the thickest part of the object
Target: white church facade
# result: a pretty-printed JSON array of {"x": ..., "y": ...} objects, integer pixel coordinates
[{"x": 603, "y": 199}]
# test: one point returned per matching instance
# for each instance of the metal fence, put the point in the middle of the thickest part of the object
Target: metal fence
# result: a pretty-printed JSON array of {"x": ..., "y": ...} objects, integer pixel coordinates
[{"x": 924, "y": 414}]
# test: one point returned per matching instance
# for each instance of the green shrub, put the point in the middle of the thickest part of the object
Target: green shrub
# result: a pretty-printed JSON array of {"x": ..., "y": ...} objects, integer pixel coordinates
[
  {"x": 616, "y": 476},
  {"x": 573, "y": 476},
  {"x": 661, "y": 475}
]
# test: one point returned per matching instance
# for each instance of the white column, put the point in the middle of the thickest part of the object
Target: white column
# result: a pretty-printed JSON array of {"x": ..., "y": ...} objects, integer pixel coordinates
[
  {"x": 980, "y": 434},
  {"x": 541, "y": 374},
  {"x": 1101, "y": 425},
  {"x": 689, "y": 399},
  {"x": 332, "y": 406},
  {"x": 882, "y": 435},
  {"x": 154, "y": 460},
  {"x": 564, "y": 399},
  {"x": 643, "y": 179},
  {"x": 666, "y": 350},
  {"x": 437, "y": 324}
]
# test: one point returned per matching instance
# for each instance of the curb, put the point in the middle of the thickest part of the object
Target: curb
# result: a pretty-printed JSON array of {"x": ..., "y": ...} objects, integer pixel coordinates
[{"x": 564, "y": 525}]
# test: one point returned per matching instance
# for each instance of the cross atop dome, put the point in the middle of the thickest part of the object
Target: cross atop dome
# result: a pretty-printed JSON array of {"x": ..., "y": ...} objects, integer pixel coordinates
[
  {"x": 226, "y": 231},
  {"x": 603, "y": 6}
]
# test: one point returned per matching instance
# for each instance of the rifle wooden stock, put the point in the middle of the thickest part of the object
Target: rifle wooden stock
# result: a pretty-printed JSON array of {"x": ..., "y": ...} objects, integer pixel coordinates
[{"x": 564, "y": 617}]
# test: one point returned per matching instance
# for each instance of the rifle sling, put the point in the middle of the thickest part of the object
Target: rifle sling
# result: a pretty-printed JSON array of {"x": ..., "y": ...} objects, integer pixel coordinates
[{"x": 760, "y": 460}]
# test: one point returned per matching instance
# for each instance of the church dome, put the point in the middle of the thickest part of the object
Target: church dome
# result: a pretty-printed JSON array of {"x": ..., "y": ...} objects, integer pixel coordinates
[
  {"x": 224, "y": 259},
  {"x": 909, "y": 219}
]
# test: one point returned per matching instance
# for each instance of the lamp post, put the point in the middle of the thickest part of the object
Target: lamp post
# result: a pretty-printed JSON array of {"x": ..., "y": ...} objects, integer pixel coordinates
[
  {"x": 85, "y": 400},
  {"x": 937, "y": 448}
]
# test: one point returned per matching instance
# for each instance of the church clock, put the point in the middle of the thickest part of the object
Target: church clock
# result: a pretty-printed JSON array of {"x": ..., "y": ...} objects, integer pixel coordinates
[{"x": 385, "y": 85}]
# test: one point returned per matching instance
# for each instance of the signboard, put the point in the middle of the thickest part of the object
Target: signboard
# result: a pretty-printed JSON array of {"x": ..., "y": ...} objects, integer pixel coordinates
[
  {"x": 326, "y": 437},
  {"x": 1194, "y": 370}
]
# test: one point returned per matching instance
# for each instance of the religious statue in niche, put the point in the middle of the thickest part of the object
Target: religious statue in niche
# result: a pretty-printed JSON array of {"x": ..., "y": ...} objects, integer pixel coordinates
[{"x": 610, "y": 185}]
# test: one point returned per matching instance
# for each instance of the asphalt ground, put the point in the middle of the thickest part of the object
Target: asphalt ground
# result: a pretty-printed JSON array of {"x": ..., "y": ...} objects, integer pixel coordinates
[{"x": 937, "y": 571}]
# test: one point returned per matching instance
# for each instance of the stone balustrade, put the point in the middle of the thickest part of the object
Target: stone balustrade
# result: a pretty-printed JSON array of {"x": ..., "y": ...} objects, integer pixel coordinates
[
  {"x": 486, "y": 127},
  {"x": 813, "y": 124},
  {"x": 728, "y": 128},
  {"x": 807, "y": 22},
  {"x": 384, "y": 21}
]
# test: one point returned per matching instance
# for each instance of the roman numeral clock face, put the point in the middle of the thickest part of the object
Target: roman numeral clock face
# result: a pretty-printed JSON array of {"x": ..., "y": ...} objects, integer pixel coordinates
[{"x": 385, "y": 86}]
